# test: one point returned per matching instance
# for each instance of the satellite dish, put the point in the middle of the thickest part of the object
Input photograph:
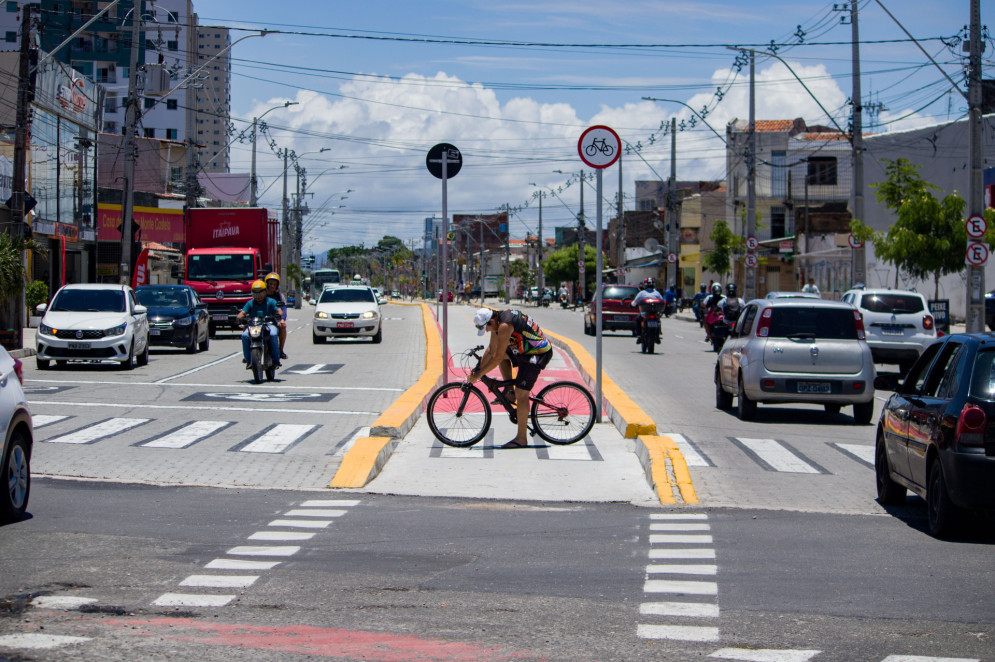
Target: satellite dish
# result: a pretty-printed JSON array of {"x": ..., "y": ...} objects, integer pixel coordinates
[
  {"x": 658, "y": 224},
  {"x": 651, "y": 245}
]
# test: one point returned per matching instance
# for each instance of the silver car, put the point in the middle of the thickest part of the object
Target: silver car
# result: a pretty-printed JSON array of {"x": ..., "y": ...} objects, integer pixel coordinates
[{"x": 797, "y": 350}]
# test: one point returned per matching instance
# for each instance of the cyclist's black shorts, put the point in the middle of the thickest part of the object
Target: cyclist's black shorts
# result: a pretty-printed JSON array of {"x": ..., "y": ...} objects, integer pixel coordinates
[{"x": 529, "y": 366}]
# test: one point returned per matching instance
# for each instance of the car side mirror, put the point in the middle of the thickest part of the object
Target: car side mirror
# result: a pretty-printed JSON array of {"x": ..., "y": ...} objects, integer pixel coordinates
[
  {"x": 141, "y": 310},
  {"x": 887, "y": 382},
  {"x": 41, "y": 307}
]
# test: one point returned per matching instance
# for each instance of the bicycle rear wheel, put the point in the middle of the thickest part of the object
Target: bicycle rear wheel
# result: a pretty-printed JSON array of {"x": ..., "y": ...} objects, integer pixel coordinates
[
  {"x": 458, "y": 415},
  {"x": 563, "y": 413}
]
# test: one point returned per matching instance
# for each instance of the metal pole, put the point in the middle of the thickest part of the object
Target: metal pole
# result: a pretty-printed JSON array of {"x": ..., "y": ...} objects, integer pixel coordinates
[
  {"x": 976, "y": 202},
  {"x": 480, "y": 264},
  {"x": 252, "y": 177},
  {"x": 581, "y": 231},
  {"x": 507, "y": 260},
  {"x": 542, "y": 276},
  {"x": 751, "y": 183},
  {"x": 858, "y": 256},
  {"x": 285, "y": 238},
  {"x": 599, "y": 261},
  {"x": 445, "y": 267},
  {"x": 621, "y": 227},
  {"x": 672, "y": 201}
]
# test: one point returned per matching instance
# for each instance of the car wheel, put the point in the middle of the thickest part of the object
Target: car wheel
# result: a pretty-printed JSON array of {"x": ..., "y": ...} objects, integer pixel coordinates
[
  {"x": 832, "y": 408},
  {"x": 192, "y": 347},
  {"x": 942, "y": 514},
  {"x": 747, "y": 409},
  {"x": 316, "y": 339},
  {"x": 212, "y": 329},
  {"x": 863, "y": 412},
  {"x": 16, "y": 479},
  {"x": 42, "y": 364},
  {"x": 890, "y": 493},
  {"x": 129, "y": 363},
  {"x": 378, "y": 336},
  {"x": 206, "y": 344},
  {"x": 723, "y": 400},
  {"x": 143, "y": 358}
]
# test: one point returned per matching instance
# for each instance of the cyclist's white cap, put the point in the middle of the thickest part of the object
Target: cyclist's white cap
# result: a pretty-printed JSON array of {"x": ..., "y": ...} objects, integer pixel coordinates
[{"x": 482, "y": 317}]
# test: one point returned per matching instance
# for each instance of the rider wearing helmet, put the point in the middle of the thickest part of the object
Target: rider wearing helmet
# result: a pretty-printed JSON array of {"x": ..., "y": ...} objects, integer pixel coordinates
[
  {"x": 265, "y": 307},
  {"x": 697, "y": 303},
  {"x": 712, "y": 312},
  {"x": 648, "y": 292},
  {"x": 732, "y": 305},
  {"x": 273, "y": 292}
]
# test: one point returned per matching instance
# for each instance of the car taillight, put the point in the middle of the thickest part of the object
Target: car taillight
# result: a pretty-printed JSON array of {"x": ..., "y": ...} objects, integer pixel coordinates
[
  {"x": 763, "y": 326},
  {"x": 927, "y": 322},
  {"x": 19, "y": 370},
  {"x": 859, "y": 321},
  {"x": 971, "y": 426}
]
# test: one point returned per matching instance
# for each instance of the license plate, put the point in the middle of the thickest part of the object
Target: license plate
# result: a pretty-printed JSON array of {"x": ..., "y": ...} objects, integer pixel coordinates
[
  {"x": 346, "y": 325},
  {"x": 219, "y": 318},
  {"x": 154, "y": 332},
  {"x": 814, "y": 387},
  {"x": 652, "y": 324},
  {"x": 79, "y": 345},
  {"x": 892, "y": 331},
  {"x": 621, "y": 318}
]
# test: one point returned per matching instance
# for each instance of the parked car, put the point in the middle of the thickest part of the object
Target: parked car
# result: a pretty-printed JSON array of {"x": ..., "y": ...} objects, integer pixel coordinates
[
  {"x": 792, "y": 295},
  {"x": 935, "y": 435},
  {"x": 347, "y": 312},
  {"x": 177, "y": 316},
  {"x": 898, "y": 324},
  {"x": 990, "y": 310},
  {"x": 18, "y": 440},
  {"x": 797, "y": 350},
  {"x": 617, "y": 311},
  {"x": 93, "y": 322}
]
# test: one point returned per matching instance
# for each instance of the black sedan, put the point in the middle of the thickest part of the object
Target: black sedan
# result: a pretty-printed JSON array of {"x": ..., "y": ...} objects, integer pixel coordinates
[
  {"x": 177, "y": 316},
  {"x": 936, "y": 435}
]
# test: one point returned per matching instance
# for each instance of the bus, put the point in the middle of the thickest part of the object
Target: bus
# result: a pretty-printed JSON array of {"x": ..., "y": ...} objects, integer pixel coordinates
[{"x": 322, "y": 277}]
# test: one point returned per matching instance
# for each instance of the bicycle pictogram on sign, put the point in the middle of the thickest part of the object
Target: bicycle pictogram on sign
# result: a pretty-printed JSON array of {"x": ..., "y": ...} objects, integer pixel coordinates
[{"x": 599, "y": 146}]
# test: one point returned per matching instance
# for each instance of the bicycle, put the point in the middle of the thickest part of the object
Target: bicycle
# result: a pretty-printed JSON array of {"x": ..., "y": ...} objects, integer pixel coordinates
[
  {"x": 459, "y": 414},
  {"x": 599, "y": 145}
]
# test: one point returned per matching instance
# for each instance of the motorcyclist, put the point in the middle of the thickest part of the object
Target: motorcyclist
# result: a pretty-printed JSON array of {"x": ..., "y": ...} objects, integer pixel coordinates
[
  {"x": 670, "y": 299},
  {"x": 265, "y": 307},
  {"x": 273, "y": 292},
  {"x": 696, "y": 303},
  {"x": 732, "y": 305},
  {"x": 648, "y": 292},
  {"x": 712, "y": 311}
]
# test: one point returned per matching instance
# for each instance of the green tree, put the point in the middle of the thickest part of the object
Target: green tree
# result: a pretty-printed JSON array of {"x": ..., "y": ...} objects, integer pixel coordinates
[
  {"x": 520, "y": 269},
  {"x": 561, "y": 265},
  {"x": 295, "y": 274},
  {"x": 719, "y": 259},
  {"x": 928, "y": 238},
  {"x": 13, "y": 275}
]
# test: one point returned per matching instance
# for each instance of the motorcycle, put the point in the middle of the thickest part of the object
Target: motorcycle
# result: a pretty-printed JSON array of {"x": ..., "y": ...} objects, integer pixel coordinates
[
  {"x": 546, "y": 298},
  {"x": 261, "y": 360},
  {"x": 649, "y": 334},
  {"x": 564, "y": 301},
  {"x": 720, "y": 332}
]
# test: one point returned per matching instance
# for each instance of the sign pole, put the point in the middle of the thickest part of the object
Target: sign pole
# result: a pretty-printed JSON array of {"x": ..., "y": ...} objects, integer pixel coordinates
[
  {"x": 445, "y": 268},
  {"x": 597, "y": 295}
]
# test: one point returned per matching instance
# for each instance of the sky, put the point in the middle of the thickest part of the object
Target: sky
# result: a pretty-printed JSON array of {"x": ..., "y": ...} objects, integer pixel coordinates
[{"x": 513, "y": 84}]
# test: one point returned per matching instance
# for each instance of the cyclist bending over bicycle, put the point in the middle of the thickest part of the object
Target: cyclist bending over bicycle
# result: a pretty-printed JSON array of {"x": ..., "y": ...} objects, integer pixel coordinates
[{"x": 516, "y": 340}]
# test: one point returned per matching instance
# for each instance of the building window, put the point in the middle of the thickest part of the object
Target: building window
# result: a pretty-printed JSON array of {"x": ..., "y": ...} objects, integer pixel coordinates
[
  {"x": 149, "y": 103},
  {"x": 171, "y": 104},
  {"x": 171, "y": 134},
  {"x": 821, "y": 171},
  {"x": 12, "y": 37},
  {"x": 110, "y": 127},
  {"x": 149, "y": 133},
  {"x": 778, "y": 175},
  {"x": 172, "y": 45},
  {"x": 777, "y": 222},
  {"x": 149, "y": 45},
  {"x": 12, "y": 6}
]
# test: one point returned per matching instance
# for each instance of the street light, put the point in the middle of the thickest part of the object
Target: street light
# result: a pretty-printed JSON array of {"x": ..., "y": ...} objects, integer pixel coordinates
[{"x": 255, "y": 122}]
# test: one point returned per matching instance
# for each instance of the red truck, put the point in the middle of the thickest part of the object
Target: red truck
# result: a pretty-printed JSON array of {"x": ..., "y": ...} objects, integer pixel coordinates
[{"x": 226, "y": 250}]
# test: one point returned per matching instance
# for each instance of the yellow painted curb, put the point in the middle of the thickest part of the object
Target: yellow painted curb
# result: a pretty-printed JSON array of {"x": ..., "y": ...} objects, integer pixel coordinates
[
  {"x": 654, "y": 451},
  {"x": 363, "y": 462}
]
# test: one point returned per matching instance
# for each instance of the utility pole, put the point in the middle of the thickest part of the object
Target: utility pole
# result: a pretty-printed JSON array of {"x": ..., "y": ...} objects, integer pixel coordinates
[
  {"x": 541, "y": 280},
  {"x": 751, "y": 185},
  {"x": 25, "y": 91},
  {"x": 672, "y": 203},
  {"x": 507, "y": 257},
  {"x": 581, "y": 231},
  {"x": 976, "y": 202},
  {"x": 858, "y": 257},
  {"x": 285, "y": 223},
  {"x": 130, "y": 147},
  {"x": 480, "y": 272},
  {"x": 252, "y": 177}
]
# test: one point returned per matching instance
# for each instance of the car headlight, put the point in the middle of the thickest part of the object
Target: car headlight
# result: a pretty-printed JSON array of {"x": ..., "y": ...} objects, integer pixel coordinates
[
  {"x": 46, "y": 330},
  {"x": 117, "y": 330},
  {"x": 369, "y": 314},
  {"x": 183, "y": 321},
  {"x": 321, "y": 316}
]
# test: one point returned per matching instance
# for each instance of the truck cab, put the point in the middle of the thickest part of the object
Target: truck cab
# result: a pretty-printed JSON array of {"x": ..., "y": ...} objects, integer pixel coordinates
[{"x": 223, "y": 277}]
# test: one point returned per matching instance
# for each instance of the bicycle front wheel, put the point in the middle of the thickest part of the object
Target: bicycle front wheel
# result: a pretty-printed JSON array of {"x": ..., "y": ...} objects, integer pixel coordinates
[
  {"x": 459, "y": 415},
  {"x": 563, "y": 413}
]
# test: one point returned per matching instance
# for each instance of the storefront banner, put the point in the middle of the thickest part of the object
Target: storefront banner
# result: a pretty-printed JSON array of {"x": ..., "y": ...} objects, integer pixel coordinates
[
  {"x": 61, "y": 90},
  {"x": 161, "y": 225}
]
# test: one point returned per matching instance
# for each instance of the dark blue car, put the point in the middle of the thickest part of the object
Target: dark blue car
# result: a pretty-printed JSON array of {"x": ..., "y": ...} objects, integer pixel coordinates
[{"x": 177, "y": 317}]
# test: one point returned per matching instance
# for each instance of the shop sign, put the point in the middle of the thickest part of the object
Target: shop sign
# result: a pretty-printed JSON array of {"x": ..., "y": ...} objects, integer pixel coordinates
[{"x": 161, "y": 225}]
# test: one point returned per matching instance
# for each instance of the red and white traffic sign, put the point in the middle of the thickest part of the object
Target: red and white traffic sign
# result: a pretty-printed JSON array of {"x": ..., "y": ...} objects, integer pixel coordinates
[
  {"x": 976, "y": 226},
  {"x": 751, "y": 260},
  {"x": 752, "y": 244},
  {"x": 977, "y": 253},
  {"x": 672, "y": 258},
  {"x": 854, "y": 242},
  {"x": 599, "y": 146}
]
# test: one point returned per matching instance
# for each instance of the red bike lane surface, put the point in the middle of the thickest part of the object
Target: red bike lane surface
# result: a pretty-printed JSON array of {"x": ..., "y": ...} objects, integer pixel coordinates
[{"x": 324, "y": 642}]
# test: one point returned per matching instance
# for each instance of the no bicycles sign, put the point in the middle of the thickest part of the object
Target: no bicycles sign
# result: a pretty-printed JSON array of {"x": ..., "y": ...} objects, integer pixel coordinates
[{"x": 599, "y": 146}]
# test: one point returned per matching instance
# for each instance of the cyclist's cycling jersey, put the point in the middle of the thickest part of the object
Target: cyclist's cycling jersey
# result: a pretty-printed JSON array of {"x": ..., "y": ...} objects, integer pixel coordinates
[{"x": 526, "y": 336}]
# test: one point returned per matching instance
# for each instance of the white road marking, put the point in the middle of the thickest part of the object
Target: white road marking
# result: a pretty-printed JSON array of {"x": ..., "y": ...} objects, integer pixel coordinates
[
  {"x": 199, "y": 368},
  {"x": 864, "y": 452},
  {"x": 330, "y": 503},
  {"x": 692, "y": 609},
  {"x": 33, "y": 641},
  {"x": 923, "y": 658},
  {"x": 764, "y": 655},
  {"x": 239, "y": 564},
  {"x": 219, "y": 581},
  {"x": 691, "y": 456},
  {"x": 316, "y": 512},
  {"x": 129, "y": 405},
  {"x": 248, "y": 550},
  {"x": 681, "y": 569},
  {"x": 277, "y": 439},
  {"x": 99, "y": 431},
  {"x": 192, "y": 600},
  {"x": 682, "y": 554},
  {"x": 475, "y": 452},
  {"x": 777, "y": 456},
  {"x": 282, "y": 536},
  {"x": 41, "y": 420},
  {"x": 257, "y": 387},
  {"x": 678, "y": 632},
  {"x": 577, "y": 452},
  {"x": 666, "y": 539},
  {"x": 67, "y": 602},
  {"x": 676, "y": 586},
  {"x": 188, "y": 435},
  {"x": 315, "y": 369},
  {"x": 678, "y": 526},
  {"x": 675, "y": 516},
  {"x": 301, "y": 523}
]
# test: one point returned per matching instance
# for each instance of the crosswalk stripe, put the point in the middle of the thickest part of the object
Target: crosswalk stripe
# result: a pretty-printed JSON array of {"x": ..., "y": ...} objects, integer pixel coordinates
[
  {"x": 330, "y": 503},
  {"x": 692, "y": 609},
  {"x": 315, "y": 512},
  {"x": 285, "y": 536},
  {"x": 678, "y": 516},
  {"x": 220, "y": 581},
  {"x": 192, "y": 600},
  {"x": 678, "y": 632},
  {"x": 700, "y": 553},
  {"x": 579, "y": 452},
  {"x": 682, "y": 568},
  {"x": 676, "y": 586},
  {"x": 764, "y": 654},
  {"x": 863, "y": 452},
  {"x": 98, "y": 431},
  {"x": 37, "y": 641},
  {"x": 678, "y": 526},
  {"x": 186, "y": 435},
  {"x": 923, "y": 658},
  {"x": 239, "y": 564},
  {"x": 67, "y": 602},
  {"x": 475, "y": 452},
  {"x": 41, "y": 420},
  {"x": 776, "y": 456},
  {"x": 278, "y": 550},
  {"x": 277, "y": 439},
  {"x": 690, "y": 453},
  {"x": 668, "y": 538},
  {"x": 301, "y": 523}
]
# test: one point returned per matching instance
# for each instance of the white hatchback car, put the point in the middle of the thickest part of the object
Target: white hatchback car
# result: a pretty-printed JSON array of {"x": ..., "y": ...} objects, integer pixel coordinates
[
  {"x": 347, "y": 311},
  {"x": 898, "y": 323},
  {"x": 18, "y": 440},
  {"x": 92, "y": 322},
  {"x": 797, "y": 350}
]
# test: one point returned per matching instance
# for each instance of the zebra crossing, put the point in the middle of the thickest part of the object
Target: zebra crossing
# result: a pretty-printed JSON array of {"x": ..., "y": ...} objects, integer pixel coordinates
[{"x": 774, "y": 455}]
